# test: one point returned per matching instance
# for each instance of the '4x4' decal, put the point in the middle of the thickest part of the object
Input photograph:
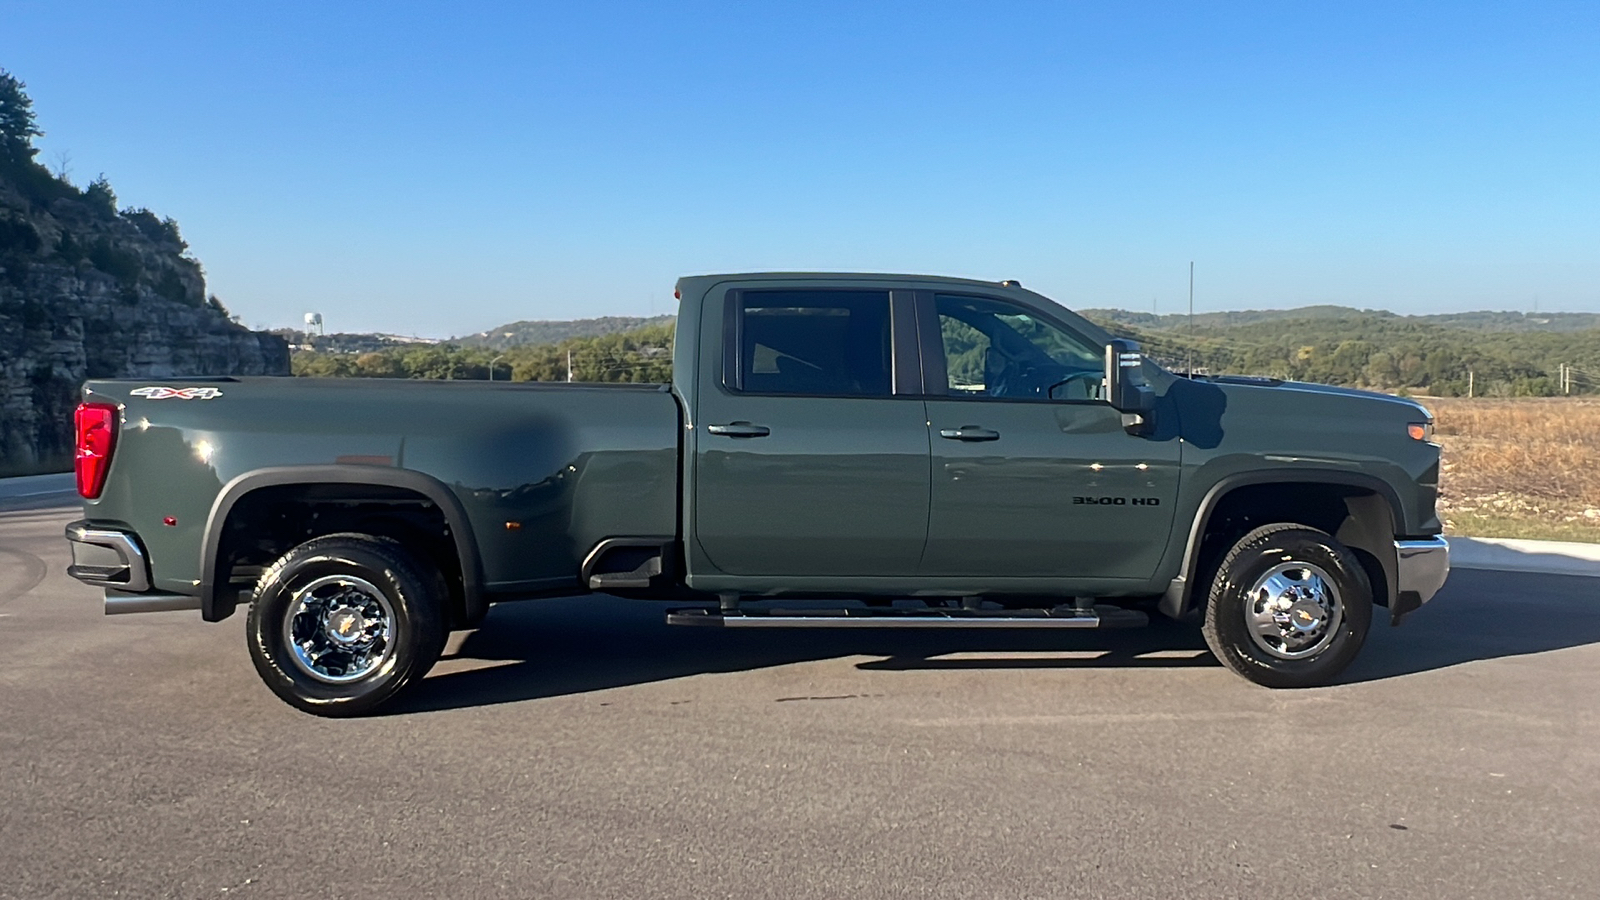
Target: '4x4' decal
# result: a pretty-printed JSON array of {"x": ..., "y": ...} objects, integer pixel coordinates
[{"x": 166, "y": 393}]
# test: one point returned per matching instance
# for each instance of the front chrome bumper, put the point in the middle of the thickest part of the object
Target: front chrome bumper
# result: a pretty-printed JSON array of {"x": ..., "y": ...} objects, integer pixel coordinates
[
  {"x": 1421, "y": 568},
  {"x": 115, "y": 560}
]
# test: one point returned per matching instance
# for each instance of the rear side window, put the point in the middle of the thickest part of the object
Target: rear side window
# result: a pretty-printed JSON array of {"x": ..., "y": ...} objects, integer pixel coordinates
[{"x": 831, "y": 343}]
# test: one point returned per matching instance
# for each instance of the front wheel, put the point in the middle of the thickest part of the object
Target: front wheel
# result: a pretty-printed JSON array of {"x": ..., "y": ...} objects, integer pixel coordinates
[
  {"x": 1289, "y": 607},
  {"x": 342, "y": 623}
]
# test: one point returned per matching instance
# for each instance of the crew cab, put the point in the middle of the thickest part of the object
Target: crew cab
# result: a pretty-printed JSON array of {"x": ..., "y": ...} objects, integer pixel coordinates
[{"x": 901, "y": 451}]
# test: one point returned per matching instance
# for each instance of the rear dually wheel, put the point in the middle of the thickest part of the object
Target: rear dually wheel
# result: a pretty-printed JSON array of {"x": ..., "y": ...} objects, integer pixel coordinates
[{"x": 341, "y": 624}]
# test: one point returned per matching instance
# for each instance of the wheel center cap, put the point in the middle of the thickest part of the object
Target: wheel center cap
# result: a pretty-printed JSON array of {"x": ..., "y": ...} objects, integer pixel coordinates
[
  {"x": 344, "y": 626},
  {"x": 1307, "y": 616}
]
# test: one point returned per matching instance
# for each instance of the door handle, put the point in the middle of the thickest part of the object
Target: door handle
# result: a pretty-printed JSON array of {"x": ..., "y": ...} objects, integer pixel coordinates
[
  {"x": 739, "y": 430},
  {"x": 969, "y": 433}
]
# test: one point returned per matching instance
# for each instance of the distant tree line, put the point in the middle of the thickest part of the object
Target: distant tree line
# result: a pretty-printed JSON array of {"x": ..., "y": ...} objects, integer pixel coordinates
[
  {"x": 642, "y": 355},
  {"x": 1377, "y": 351},
  {"x": 1384, "y": 352}
]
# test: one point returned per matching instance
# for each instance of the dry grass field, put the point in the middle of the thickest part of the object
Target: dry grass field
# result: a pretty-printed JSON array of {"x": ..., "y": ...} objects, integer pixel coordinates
[{"x": 1525, "y": 468}]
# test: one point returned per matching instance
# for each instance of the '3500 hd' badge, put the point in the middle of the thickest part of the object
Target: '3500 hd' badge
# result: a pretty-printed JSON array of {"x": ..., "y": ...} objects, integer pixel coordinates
[{"x": 166, "y": 393}]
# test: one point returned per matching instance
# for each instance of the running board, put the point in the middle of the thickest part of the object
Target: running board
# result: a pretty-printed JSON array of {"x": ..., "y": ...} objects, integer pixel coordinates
[
  {"x": 1062, "y": 617},
  {"x": 120, "y": 603}
]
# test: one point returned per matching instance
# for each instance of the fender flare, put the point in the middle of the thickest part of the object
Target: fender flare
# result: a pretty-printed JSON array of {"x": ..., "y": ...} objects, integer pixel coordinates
[
  {"x": 214, "y": 608},
  {"x": 1178, "y": 598}
]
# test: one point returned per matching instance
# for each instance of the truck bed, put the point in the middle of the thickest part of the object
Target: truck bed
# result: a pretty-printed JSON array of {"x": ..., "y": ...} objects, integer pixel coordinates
[{"x": 541, "y": 471}]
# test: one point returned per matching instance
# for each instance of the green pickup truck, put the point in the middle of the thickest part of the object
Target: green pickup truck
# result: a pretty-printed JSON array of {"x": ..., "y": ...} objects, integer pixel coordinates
[{"x": 834, "y": 451}]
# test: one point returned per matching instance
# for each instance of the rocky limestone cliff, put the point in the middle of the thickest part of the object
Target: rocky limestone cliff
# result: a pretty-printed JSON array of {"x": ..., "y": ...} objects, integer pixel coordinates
[{"x": 87, "y": 292}]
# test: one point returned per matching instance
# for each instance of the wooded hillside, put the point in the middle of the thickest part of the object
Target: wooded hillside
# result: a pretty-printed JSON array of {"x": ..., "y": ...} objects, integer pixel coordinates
[{"x": 1492, "y": 353}]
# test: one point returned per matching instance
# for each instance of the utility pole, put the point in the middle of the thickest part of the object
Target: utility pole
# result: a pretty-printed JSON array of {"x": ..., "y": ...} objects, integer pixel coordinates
[
  {"x": 1469, "y": 384},
  {"x": 1191, "y": 319},
  {"x": 569, "y": 366}
]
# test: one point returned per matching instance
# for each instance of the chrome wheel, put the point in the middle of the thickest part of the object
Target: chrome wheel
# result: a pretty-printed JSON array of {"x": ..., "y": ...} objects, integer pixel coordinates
[
  {"x": 339, "y": 628},
  {"x": 1293, "y": 611}
]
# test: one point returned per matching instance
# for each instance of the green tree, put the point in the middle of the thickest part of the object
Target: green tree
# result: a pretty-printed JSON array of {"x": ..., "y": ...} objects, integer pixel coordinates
[{"x": 17, "y": 125}]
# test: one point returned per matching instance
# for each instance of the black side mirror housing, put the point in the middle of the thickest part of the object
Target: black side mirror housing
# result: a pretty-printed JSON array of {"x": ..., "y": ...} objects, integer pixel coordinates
[{"x": 1126, "y": 388}]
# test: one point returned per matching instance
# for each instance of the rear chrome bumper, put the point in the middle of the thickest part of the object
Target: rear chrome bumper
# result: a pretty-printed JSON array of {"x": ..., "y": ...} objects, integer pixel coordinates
[
  {"x": 108, "y": 558},
  {"x": 1421, "y": 569},
  {"x": 115, "y": 560}
]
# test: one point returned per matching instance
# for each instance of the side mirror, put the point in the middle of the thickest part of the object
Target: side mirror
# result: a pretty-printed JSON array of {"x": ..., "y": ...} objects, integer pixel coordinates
[{"x": 1126, "y": 389}]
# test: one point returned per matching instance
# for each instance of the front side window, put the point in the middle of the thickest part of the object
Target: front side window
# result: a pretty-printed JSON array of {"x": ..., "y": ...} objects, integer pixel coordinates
[
  {"x": 996, "y": 349},
  {"x": 833, "y": 343}
]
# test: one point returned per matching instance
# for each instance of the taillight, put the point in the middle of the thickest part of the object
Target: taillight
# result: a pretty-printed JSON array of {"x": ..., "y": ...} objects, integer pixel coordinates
[{"x": 97, "y": 436}]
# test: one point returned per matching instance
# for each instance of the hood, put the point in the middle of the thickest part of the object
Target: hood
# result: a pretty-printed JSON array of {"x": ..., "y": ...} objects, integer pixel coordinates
[{"x": 1232, "y": 383}]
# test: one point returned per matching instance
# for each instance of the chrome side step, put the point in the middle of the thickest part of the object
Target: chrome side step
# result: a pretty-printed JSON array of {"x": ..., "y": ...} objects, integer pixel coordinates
[{"x": 1062, "y": 617}]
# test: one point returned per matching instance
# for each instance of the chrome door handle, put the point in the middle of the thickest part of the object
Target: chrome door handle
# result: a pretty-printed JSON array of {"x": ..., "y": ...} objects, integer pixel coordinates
[
  {"x": 969, "y": 433},
  {"x": 739, "y": 430}
]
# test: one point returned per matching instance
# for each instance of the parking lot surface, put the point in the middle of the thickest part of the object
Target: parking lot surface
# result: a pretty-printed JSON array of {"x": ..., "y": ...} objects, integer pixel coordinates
[{"x": 581, "y": 748}]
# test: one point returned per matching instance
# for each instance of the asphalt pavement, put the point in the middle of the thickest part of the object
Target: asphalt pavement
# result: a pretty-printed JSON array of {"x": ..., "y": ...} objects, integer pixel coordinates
[
  {"x": 581, "y": 748},
  {"x": 38, "y": 491}
]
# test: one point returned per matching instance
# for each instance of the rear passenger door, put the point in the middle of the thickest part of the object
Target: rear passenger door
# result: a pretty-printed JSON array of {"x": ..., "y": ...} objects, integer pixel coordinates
[{"x": 811, "y": 455}]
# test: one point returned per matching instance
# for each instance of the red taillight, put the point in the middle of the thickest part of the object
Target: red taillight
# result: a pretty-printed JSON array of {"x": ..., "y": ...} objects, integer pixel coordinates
[{"x": 97, "y": 435}]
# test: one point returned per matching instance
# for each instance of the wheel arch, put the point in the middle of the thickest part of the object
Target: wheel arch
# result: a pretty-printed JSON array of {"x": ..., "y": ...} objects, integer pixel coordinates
[
  {"x": 1366, "y": 524},
  {"x": 215, "y": 606}
]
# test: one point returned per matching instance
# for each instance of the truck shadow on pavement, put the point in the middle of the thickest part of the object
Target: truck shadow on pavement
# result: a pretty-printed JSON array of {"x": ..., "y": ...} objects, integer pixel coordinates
[{"x": 550, "y": 648}]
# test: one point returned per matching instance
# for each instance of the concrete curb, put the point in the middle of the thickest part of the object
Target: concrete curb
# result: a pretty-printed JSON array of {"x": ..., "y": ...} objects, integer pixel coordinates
[{"x": 1511, "y": 555}]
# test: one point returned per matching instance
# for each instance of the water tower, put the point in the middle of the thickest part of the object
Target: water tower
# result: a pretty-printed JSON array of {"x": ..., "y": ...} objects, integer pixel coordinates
[{"x": 314, "y": 320}]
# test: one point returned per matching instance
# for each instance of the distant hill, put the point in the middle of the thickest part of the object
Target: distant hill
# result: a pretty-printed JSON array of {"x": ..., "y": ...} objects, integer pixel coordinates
[
  {"x": 517, "y": 334},
  {"x": 1487, "y": 320},
  {"x": 1178, "y": 321},
  {"x": 342, "y": 342},
  {"x": 1456, "y": 354},
  {"x": 1478, "y": 353},
  {"x": 1481, "y": 320}
]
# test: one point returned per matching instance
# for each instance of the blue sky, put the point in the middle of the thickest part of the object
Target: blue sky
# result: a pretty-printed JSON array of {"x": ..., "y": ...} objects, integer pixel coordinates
[{"x": 438, "y": 169}]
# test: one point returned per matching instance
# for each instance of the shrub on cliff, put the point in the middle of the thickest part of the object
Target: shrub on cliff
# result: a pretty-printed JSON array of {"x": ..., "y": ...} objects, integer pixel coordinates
[
  {"x": 18, "y": 238},
  {"x": 101, "y": 198},
  {"x": 158, "y": 230},
  {"x": 120, "y": 264}
]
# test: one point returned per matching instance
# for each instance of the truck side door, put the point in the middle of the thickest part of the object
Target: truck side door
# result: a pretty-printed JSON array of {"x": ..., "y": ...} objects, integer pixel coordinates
[
  {"x": 809, "y": 460},
  {"x": 1033, "y": 474}
]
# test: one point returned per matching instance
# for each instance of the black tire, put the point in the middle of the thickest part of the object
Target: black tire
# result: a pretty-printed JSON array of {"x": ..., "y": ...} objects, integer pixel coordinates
[
  {"x": 345, "y": 565},
  {"x": 1228, "y": 615}
]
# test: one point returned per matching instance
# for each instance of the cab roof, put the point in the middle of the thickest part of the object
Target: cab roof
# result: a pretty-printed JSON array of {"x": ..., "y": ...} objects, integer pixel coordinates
[
  {"x": 694, "y": 287},
  {"x": 847, "y": 276}
]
